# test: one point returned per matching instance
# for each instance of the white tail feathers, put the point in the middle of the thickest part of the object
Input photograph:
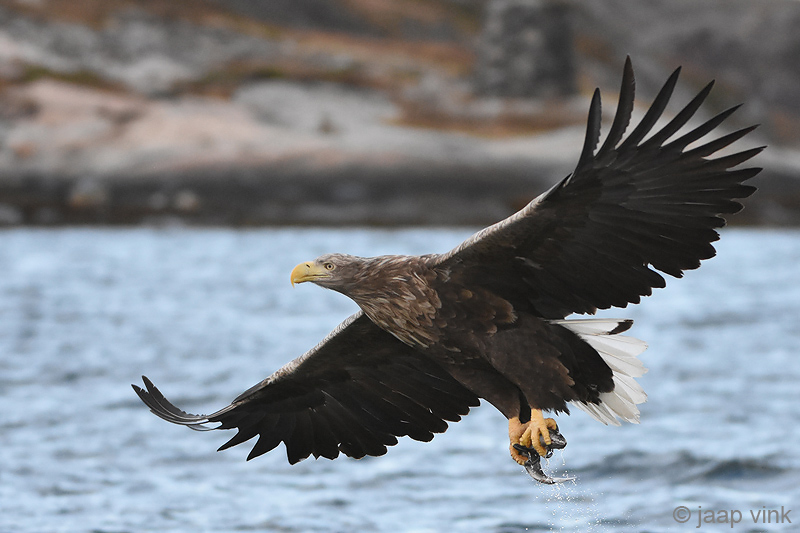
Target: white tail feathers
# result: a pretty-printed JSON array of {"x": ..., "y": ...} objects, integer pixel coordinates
[{"x": 619, "y": 352}]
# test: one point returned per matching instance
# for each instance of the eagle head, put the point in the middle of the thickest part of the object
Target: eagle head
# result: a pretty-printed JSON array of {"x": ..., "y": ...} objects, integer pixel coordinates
[{"x": 331, "y": 271}]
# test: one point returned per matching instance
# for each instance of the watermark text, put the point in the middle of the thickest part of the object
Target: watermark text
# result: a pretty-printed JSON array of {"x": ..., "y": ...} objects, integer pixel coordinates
[{"x": 699, "y": 517}]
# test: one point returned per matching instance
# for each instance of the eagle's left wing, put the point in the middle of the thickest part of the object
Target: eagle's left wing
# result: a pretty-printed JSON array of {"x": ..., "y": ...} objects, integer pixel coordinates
[
  {"x": 355, "y": 392},
  {"x": 639, "y": 204}
]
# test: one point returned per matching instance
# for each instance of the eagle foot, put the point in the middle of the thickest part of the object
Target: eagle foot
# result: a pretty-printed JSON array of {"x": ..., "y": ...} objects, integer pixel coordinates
[
  {"x": 533, "y": 434},
  {"x": 532, "y": 440}
]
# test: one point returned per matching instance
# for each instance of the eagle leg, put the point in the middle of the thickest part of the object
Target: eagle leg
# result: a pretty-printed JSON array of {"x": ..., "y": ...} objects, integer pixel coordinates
[{"x": 528, "y": 434}]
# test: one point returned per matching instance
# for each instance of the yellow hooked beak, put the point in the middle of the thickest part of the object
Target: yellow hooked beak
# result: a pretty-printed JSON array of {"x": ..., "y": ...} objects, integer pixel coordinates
[{"x": 308, "y": 271}]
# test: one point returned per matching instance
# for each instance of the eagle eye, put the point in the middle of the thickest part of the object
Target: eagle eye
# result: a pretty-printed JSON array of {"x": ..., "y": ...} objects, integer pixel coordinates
[{"x": 329, "y": 266}]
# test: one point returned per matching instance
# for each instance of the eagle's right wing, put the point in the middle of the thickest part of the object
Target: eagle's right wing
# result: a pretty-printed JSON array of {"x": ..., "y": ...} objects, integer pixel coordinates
[{"x": 354, "y": 393}]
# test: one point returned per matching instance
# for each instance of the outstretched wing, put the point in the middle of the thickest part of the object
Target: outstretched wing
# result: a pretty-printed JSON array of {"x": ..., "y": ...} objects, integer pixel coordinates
[
  {"x": 355, "y": 392},
  {"x": 631, "y": 208}
]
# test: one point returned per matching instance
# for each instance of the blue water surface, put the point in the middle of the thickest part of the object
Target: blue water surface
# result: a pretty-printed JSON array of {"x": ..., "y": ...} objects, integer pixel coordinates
[{"x": 206, "y": 313}]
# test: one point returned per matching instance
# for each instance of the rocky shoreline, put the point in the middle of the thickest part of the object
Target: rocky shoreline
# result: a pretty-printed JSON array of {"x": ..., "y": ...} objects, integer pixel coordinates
[
  {"x": 471, "y": 196},
  {"x": 200, "y": 112}
]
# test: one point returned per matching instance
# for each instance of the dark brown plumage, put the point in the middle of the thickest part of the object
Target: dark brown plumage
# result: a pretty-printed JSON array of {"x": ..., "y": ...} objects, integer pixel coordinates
[{"x": 487, "y": 320}]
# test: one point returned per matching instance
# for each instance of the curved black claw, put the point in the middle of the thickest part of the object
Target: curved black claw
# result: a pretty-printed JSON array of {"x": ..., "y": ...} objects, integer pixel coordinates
[{"x": 534, "y": 463}]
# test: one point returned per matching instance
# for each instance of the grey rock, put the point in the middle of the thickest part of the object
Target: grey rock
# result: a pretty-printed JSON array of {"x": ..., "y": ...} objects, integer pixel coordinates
[
  {"x": 526, "y": 50},
  {"x": 752, "y": 49},
  {"x": 10, "y": 215},
  {"x": 146, "y": 53},
  {"x": 88, "y": 193}
]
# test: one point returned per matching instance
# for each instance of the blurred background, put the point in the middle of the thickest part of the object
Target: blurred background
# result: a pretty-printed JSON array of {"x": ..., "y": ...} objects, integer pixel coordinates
[
  {"x": 383, "y": 112},
  {"x": 157, "y": 159}
]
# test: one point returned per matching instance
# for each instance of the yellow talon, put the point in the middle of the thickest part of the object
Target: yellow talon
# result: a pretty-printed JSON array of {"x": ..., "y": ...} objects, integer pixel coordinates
[{"x": 527, "y": 434}]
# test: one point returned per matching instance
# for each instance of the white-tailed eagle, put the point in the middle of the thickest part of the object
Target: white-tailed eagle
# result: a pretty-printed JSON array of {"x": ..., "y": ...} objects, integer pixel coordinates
[{"x": 487, "y": 319}]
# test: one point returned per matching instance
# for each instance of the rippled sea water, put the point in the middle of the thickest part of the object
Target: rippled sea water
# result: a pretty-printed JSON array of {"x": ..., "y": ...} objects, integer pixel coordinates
[{"x": 207, "y": 313}]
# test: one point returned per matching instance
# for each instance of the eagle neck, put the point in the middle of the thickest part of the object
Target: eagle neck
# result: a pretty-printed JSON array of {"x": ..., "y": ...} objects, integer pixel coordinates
[{"x": 394, "y": 292}]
